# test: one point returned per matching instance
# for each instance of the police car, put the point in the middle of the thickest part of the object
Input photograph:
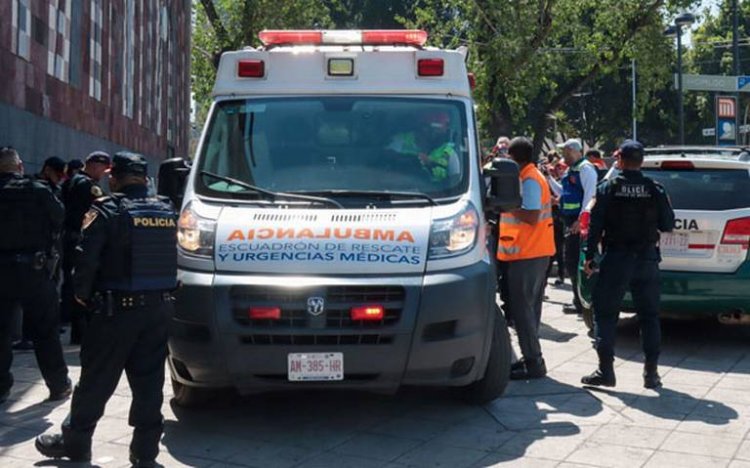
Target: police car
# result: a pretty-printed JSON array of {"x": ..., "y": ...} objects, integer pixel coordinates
[
  {"x": 332, "y": 231},
  {"x": 705, "y": 267}
]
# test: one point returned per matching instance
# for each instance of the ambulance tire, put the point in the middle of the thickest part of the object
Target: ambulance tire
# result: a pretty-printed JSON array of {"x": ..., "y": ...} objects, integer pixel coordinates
[
  {"x": 497, "y": 374},
  {"x": 192, "y": 397}
]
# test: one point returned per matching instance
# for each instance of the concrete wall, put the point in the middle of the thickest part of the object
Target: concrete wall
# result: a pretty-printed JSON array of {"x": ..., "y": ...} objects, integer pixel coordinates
[{"x": 37, "y": 138}]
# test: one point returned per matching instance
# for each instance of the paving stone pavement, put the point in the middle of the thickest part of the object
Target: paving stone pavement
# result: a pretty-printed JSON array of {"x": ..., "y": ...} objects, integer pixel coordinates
[{"x": 700, "y": 418}]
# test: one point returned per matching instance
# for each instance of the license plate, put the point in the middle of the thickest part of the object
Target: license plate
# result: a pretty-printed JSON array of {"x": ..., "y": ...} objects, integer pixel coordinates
[
  {"x": 675, "y": 243},
  {"x": 315, "y": 367}
]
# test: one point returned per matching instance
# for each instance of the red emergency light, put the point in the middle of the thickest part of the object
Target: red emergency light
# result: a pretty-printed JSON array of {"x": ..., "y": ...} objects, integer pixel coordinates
[
  {"x": 251, "y": 69},
  {"x": 413, "y": 37},
  {"x": 368, "y": 313},
  {"x": 431, "y": 67},
  {"x": 264, "y": 313}
]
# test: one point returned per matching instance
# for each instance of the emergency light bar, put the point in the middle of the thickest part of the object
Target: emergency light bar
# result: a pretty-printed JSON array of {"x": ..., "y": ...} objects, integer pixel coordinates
[{"x": 413, "y": 37}]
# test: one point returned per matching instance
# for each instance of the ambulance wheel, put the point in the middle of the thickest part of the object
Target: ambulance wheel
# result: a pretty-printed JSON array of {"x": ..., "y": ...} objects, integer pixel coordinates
[
  {"x": 497, "y": 374},
  {"x": 190, "y": 397},
  {"x": 588, "y": 317}
]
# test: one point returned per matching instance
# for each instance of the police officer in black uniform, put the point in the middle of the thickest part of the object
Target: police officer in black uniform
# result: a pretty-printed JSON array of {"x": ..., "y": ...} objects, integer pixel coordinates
[
  {"x": 31, "y": 222},
  {"x": 53, "y": 174},
  {"x": 630, "y": 211},
  {"x": 125, "y": 270},
  {"x": 77, "y": 195}
]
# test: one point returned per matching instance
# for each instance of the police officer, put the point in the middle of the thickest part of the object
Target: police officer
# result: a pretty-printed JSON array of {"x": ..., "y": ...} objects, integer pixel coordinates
[
  {"x": 78, "y": 193},
  {"x": 53, "y": 174},
  {"x": 125, "y": 269},
  {"x": 31, "y": 222},
  {"x": 630, "y": 211}
]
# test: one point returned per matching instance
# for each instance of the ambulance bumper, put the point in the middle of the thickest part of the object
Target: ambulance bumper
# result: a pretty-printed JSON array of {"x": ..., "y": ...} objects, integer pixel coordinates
[{"x": 436, "y": 330}]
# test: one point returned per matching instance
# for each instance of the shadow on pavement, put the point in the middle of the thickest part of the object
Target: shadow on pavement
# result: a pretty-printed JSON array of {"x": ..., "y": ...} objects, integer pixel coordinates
[
  {"x": 539, "y": 412},
  {"x": 549, "y": 333},
  {"x": 674, "y": 405},
  {"x": 292, "y": 427},
  {"x": 691, "y": 344}
]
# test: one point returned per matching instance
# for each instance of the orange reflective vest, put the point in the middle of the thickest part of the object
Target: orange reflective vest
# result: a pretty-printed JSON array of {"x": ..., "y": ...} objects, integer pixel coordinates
[{"x": 522, "y": 241}]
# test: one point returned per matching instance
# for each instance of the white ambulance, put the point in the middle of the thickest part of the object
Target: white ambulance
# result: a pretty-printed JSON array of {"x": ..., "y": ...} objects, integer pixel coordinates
[{"x": 332, "y": 233}]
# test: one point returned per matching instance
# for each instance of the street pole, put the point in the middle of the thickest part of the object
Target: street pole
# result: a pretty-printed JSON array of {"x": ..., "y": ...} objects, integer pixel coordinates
[
  {"x": 635, "y": 104},
  {"x": 679, "y": 85},
  {"x": 736, "y": 56}
]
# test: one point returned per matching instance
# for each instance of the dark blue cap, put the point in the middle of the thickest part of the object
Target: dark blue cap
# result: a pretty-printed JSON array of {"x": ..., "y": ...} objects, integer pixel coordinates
[
  {"x": 631, "y": 149},
  {"x": 75, "y": 164},
  {"x": 55, "y": 163},
  {"x": 98, "y": 157},
  {"x": 124, "y": 163}
]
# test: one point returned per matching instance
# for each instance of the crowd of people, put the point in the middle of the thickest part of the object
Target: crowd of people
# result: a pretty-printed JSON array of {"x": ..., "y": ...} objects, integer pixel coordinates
[
  {"x": 117, "y": 304},
  {"x": 561, "y": 194}
]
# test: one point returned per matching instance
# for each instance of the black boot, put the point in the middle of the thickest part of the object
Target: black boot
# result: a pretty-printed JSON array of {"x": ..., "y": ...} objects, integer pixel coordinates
[
  {"x": 517, "y": 365},
  {"x": 604, "y": 376},
  {"x": 61, "y": 393},
  {"x": 531, "y": 369},
  {"x": 651, "y": 377},
  {"x": 53, "y": 446}
]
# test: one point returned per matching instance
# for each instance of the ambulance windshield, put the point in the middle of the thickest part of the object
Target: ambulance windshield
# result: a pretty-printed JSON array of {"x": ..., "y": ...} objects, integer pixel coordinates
[{"x": 331, "y": 145}]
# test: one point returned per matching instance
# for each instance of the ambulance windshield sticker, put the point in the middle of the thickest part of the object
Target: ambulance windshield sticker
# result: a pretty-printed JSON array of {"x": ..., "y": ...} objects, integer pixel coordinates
[{"x": 323, "y": 242}]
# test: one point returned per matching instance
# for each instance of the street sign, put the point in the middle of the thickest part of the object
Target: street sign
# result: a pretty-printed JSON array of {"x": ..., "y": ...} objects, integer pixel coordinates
[
  {"x": 720, "y": 83},
  {"x": 742, "y": 83},
  {"x": 709, "y": 132},
  {"x": 726, "y": 120}
]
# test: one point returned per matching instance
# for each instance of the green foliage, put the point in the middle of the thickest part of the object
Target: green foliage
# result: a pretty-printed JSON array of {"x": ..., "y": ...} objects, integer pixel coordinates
[
  {"x": 532, "y": 56},
  {"x": 222, "y": 25}
]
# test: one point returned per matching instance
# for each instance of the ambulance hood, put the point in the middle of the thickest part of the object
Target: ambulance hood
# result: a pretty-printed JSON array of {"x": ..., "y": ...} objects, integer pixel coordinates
[{"x": 289, "y": 241}]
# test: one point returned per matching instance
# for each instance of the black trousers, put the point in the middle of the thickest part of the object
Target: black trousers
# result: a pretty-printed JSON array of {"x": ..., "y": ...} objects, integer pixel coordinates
[
  {"x": 135, "y": 341},
  {"x": 71, "y": 310},
  {"x": 623, "y": 270},
  {"x": 37, "y": 295},
  {"x": 572, "y": 256}
]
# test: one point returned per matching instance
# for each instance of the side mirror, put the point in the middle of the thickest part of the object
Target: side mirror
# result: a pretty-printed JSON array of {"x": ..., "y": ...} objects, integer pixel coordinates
[
  {"x": 173, "y": 174},
  {"x": 505, "y": 185}
]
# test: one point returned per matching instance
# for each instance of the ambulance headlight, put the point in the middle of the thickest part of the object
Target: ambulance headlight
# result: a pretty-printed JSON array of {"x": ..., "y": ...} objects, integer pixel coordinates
[
  {"x": 195, "y": 235},
  {"x": 455, "y": 235}
]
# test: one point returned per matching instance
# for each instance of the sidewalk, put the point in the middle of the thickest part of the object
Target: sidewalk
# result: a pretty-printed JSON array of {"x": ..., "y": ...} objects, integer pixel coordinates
[{"x": 701, "y": 418}]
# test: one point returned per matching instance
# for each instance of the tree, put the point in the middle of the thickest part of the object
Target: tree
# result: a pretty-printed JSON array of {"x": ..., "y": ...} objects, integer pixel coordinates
[
  {"x": 221, "y": 25},
  {"x": 711, "y": 54},
  {"x": 532, "y": 56}
]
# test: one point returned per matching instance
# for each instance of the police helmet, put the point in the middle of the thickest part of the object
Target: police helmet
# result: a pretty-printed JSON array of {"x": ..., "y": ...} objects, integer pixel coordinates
[{"x": 126, "y": 163}]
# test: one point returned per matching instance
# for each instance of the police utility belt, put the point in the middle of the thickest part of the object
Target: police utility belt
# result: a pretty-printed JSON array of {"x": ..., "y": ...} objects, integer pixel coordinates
[
  {"x": 37, "y": 260},
  {"x": 112, "y": 301}
]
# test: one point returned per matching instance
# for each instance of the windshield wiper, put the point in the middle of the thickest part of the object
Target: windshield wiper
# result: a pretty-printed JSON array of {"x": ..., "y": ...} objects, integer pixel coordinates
[
  {"x": 271, "y": 195},
  {"x": 374, "y": 194}
]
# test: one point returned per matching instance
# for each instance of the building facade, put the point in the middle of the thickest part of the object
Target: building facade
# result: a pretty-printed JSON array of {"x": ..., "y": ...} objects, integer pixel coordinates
[{"x": 81, "y": 75}]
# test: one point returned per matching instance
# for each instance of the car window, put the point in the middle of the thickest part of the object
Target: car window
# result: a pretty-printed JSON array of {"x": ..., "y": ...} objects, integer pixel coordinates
[{"x": 705, "y": 189}]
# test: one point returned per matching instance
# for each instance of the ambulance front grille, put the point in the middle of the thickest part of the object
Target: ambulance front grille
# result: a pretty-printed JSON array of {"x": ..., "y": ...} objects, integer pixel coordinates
[
  {"x": 316, "y": 340},
  {"x": 338, "y": 303}
]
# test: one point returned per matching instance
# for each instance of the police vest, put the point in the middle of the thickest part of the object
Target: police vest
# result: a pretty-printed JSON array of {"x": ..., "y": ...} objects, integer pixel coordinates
[
  {"x": 571, "y": 200},
  {"x": 522, "y": 241},
  {"x": 632, "y": 216},
  {"x": 25, "y": 225},
  {"x": 146, "y": 257}
]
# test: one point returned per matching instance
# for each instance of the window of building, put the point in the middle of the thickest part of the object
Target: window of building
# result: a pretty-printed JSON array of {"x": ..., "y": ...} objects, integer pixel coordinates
[
  {"x": 58, "y": 51},
  {"x": 21, "y": 20},
  {"x": 95, "y": 47},
  {"x": 128, "y": 98}
]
